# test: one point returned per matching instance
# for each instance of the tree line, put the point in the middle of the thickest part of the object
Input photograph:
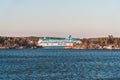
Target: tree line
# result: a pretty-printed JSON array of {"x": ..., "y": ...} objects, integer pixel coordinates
[
  {"x": 99, "y": 43},
  {"x": 18, "y": 42}
]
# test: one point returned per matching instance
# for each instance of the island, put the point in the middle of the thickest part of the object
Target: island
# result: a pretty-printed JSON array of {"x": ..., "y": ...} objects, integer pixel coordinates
[
  {"x": 18, "y": 42},
  {"x": 101, "y": 43},
  {"x": 109, "y": 43}
]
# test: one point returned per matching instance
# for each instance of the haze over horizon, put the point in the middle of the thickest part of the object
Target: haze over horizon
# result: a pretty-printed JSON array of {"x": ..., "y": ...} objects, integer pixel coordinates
[{"x": 59, "y": 18}]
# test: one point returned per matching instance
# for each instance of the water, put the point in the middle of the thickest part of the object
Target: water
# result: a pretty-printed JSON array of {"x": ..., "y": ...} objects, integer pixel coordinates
[{"x": 59, "y": 64}]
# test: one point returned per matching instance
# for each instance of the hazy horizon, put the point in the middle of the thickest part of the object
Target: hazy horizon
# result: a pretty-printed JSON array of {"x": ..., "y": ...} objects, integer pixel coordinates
[{"x": 59, "y": 18}]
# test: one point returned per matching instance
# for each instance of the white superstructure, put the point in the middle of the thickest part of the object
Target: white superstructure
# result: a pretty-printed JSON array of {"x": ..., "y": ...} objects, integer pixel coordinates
[{"x": 68, "y": 41}]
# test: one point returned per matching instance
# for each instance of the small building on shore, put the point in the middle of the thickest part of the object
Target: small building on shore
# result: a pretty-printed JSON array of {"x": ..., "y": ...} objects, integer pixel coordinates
[{"x": 68, "y": 41}]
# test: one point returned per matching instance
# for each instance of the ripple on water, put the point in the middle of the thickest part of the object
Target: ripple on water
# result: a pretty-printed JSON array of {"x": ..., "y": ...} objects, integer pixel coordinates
[{"x": 59, "y": 64}]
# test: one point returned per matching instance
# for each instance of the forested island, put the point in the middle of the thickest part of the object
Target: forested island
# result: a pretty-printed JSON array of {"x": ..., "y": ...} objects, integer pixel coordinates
[
  {"x": 18, "y": 42},
  {"x": 109, "y": 42}
]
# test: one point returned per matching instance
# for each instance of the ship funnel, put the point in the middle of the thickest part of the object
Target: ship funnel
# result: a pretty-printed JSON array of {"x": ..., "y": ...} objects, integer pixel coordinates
[{"x": 69, "y": 37}]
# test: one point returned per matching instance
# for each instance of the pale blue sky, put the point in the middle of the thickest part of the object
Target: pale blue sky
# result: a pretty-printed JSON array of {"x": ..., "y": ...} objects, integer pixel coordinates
[{"x": 80, "y": 18}]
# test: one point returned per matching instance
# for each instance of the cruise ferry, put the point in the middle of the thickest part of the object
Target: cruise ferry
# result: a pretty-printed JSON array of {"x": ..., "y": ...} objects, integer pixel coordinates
[{"x": 68, "y": 41}]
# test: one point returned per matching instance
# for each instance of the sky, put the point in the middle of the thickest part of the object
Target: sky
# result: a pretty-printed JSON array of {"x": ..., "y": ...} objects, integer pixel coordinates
[{"x": 59, "y": 18}]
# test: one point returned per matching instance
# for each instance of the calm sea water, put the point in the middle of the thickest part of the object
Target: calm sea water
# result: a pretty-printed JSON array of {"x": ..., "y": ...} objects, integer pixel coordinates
[{"x": 59, "y": 64}]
